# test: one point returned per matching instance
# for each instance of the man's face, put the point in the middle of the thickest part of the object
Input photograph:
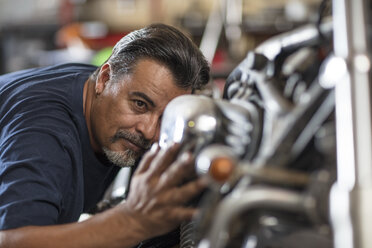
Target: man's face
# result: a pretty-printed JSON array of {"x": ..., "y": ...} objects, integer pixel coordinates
[{"x": 126, "y": 113}]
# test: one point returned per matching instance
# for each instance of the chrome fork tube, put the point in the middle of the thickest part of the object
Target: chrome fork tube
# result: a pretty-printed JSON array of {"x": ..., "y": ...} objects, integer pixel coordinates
[{"x": 351, "y": 195}]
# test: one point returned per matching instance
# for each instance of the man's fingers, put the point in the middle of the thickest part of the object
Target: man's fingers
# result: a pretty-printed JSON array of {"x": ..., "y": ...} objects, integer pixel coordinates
[
  {"x": 182, "y": 214},
  {"x": 187, "y": 192},
  {"x": 147, "y": 159},
  {"x": 181, "y": 170},
  {"x": 164, "y": 159}
]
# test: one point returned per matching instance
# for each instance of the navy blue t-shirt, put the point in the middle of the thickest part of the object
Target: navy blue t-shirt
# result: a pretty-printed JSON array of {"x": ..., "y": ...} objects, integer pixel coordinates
[{"x": 49, "y": 173}]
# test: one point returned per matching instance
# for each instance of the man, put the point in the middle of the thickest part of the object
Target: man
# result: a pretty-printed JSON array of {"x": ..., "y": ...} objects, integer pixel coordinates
[{"x": 63, "y": 128}]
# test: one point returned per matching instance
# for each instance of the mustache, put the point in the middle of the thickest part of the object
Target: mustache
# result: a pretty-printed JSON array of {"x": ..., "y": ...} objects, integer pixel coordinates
[{"x": 136, "y": 139}]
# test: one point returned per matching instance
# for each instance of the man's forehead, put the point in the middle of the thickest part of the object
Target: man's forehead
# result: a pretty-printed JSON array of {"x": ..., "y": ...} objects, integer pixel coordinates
[{"x": 153, "y": 79}]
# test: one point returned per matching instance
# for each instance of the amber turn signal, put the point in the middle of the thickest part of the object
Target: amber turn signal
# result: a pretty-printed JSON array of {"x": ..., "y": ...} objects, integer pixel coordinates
[{"x": 221, "y": 169}]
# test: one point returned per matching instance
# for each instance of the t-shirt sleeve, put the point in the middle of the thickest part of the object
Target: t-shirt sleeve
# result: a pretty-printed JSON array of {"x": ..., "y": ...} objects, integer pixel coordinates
[{"x": 33, "y": 173}]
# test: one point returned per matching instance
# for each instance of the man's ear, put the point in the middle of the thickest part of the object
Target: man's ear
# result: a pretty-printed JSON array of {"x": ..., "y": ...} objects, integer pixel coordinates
[{"x": 104, "y": 76}]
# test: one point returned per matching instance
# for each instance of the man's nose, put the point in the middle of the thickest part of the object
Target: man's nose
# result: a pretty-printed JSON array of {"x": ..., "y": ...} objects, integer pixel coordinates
[{"x": 150, "y": 128}]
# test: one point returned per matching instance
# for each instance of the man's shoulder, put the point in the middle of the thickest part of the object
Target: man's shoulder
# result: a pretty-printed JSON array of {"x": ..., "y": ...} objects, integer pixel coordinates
[
  {"x": 44, "y": 97},
  {"x": 47, "y": 71},
  {"x": 68, "y": 67}
]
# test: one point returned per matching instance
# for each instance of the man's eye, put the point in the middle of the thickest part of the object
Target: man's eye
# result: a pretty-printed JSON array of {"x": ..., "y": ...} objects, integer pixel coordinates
[{"x": 140, "y": 104}]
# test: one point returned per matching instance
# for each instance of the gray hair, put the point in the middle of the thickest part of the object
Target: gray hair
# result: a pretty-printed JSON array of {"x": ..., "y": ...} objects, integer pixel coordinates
[{"x": 164, "y": 44}]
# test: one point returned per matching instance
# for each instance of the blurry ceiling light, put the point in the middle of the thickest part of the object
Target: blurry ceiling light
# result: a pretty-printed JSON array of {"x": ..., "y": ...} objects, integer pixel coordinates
[
  {"x": 296, "y": 11},
  {"x": 94, "y": 30}
]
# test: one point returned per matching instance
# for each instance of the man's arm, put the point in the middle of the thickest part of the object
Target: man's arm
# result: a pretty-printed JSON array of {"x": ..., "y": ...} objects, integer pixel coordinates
[{"x": 155, "y": 205}]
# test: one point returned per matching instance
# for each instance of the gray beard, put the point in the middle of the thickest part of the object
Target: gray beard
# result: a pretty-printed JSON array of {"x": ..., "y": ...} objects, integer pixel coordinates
[{"x": 125, "y": 158}]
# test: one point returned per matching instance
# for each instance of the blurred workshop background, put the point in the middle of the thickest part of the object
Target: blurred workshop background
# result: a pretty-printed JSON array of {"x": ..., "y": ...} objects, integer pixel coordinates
[{"x": 36, "y": 33}]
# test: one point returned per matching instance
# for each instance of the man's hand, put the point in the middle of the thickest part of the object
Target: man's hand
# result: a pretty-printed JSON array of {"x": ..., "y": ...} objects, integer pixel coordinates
[
  {"x": 156, "y": 204},
  {"x": 158, "y": 194}
]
